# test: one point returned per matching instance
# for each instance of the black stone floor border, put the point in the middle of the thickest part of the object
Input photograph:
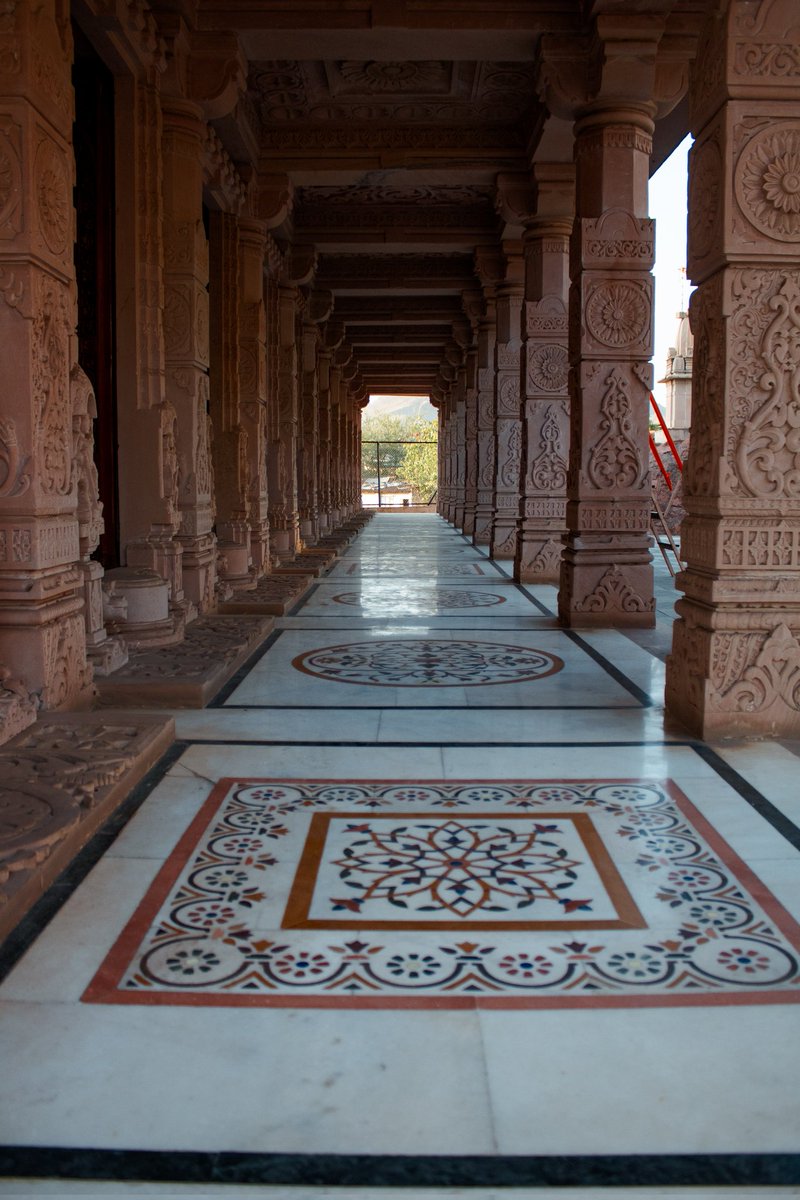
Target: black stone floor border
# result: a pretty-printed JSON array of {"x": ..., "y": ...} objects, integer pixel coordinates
[
  {"x": 764, "y": 807},
  {"x": 62, "y": 887},
  {"x": 301, "y": 603},
  {"x": 230, "y": 687},
  {"x": 402, "y": 1171},
  {"x": 618, "y": 676}
]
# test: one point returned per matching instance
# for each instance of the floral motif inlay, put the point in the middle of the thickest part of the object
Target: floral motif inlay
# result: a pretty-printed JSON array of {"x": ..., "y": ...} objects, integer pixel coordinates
[
  {"x": 425, "y": 662},
  {"x": 440, "y": 893}
]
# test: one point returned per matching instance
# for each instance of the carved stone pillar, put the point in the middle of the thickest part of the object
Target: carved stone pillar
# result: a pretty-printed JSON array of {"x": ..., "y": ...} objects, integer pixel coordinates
[
  {"x": 230, "y": 440},
  {"x": 508, "y": 422},
  {"x": 282, "y": 471},
  {"x": 459, "y": 494},
  {"x": 42, "y": 631},
  {"x": 545, "y": 362},
  {"x": 150, "y": 474},
  {"x": 735, "y": 663},
  {"x": 448, "y": 453},
  {"x": 336, "y": 395},
  {"x": 606, "y": 568},
  {"x": 186, "y": 343},
  {"x": 484, "y": 504},
  {"x": 308, "y": 434},
  {"x": 253, "y": 385}
]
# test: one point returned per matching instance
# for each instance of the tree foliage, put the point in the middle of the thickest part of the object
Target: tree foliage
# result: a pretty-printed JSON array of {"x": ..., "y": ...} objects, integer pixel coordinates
[{"x": 413, "y": 464}]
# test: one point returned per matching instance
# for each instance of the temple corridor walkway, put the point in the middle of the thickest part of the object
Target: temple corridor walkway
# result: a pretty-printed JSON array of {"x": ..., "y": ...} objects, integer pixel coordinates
[{"x": 429, "y": 880}]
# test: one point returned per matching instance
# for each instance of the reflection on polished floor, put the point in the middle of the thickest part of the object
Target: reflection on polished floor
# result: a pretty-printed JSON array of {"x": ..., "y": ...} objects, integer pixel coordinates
[{"x": 429, "y": 903}]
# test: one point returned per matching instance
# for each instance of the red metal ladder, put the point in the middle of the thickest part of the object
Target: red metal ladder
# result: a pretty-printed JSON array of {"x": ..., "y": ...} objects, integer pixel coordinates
[{"x": 659, "y": 526}]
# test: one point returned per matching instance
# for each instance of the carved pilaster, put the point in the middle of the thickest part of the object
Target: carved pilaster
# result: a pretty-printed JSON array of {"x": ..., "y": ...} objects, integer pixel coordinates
[
  {"x": 508, "y": 415},
  {"x": 610, "y": 337},
  {"x": 253, "y": 385},
  {"x": 545, "y": 363},
  {"x": 282, "y": 467},
  {"x": 735, "y": 664},
  {"x": 459, "y": 493},
  {"x": 42, "y": 629},
  {"x": 484, "y": 503},
  {"x": 230, "y": 440},
  {"x": 186, "y": 349}
]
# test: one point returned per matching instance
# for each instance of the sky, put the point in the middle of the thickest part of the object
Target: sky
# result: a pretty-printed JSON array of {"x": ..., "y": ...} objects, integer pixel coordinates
[{"x": 668, "y": 207}]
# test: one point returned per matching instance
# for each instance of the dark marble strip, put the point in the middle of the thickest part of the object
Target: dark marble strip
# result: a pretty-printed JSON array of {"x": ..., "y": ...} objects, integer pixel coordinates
[
  {"x": 764, "y": 807},
  {"x": 230, "y": 687},
  {"x": 644, "y": 699},
  {"x": 43, "y": 911},
  {"x": 400, "y": 1171}
]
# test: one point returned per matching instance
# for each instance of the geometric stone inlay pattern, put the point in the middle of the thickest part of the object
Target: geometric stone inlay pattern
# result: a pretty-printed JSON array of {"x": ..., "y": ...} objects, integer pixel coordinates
[
  {"x": 437, "y": 597},
  {"x": 495, "y": 894},
  {"x": 424, "y": 662}
]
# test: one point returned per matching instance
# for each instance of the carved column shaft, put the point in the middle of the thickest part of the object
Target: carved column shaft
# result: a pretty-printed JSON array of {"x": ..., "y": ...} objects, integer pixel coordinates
[
  {"x": 231, "y": 470},
  {"x": 736, "y": 651},
  {"x": 186, "y": 344},
  {"x": 42, "y": 633},
  {"x": 284, "y": 517},
  {"x": 308, "y": 449},
  {"x": 460, "y": 456},
  {"x": 484, "y": 505},
  {"x": 448, "y": 432},
  {"x": 508, "y": 423},
  {"x": 336, "y": 395},
  {"x": 545, "y": 404},
  {"x": 470, "y": 442},
  {"x": 324, "y": 435},
  {"x": 606, "y": 570},
  {"x": 149, "y": 471},
  {"x": 253, "y": 384}
]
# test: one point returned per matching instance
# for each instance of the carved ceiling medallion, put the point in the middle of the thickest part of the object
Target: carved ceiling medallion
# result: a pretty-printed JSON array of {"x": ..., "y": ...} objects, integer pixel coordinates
[{"x": 369, "y": 77}]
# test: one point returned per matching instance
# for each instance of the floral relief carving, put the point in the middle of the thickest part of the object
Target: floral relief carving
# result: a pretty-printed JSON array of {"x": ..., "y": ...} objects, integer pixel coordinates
[
  {"x": 771, "y": 685},
  {"x": 14, "y": 479},
  {"x": 780, "y": 60},
  {"x": 618, "y": 314},
  {"x": 615, "y": 461},
  {"x": 370, "y": 77},
  {"x": 51, "y": 389},
  {"x": 177, "y": 319},
  {"x": 549, "y": 468},
  {"x": 614, "y": 593},
  {"x": 52, "y": 196},
  {"x": 768, "y": 452},
  {"x": 509, "y": 472},
  {"x": 705, "y": 196},
  {"x": 90, "y": 508},
  {"x": 10, "y": 181},
  {"x": 205, "y": 469},
  {"x": 170, "y": 472},
  {"x": 548, "y": 368},
  {"x": 767, "y": 181},
  {"x": 508, "y": 395},
  {"x": 547, "y": 562},
  {"x": 706, "y": 446},
  {"x": 66, "y": 670}
]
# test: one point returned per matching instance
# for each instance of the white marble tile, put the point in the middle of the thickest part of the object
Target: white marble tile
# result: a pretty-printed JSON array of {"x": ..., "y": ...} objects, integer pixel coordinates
[
  {"x": 645, "y": 1080},
  {"x": 277, "y": 725},
  {"x": 313, "y": 1080},
  {"x": 153, "y": 831},
  {"x": 62, "y": 961},
  {"x": 314, "y": 762}
]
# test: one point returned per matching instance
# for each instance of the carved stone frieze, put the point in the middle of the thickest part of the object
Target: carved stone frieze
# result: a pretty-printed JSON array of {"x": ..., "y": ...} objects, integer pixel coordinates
[
  {"x": 613, "y": 593},
  {"x": 614, "y": 461}
]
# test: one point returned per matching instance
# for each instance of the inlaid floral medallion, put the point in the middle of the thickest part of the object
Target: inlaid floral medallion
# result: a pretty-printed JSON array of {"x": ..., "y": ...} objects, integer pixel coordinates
[
  {"x": 425, "y": 662},
  {"x": 436, "y": 597},
  {"x": 520, "y": 894},
  {"x": 418, "y": 568}
]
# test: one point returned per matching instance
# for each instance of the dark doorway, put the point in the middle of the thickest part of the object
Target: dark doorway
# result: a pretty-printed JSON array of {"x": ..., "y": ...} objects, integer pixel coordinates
[{"x": 94, "y": 265}]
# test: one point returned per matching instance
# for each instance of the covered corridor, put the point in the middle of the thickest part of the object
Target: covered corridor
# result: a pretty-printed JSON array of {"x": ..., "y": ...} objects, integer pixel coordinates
[{"x": 430, "y": 895}]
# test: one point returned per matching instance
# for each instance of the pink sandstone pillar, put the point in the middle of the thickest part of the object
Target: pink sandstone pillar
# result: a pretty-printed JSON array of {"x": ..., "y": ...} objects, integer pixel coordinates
[
  {"x": 484, "y": 504},
  {"x": 545, "y": 362},
  {"x": 186, "y": 348},
  {"x": 230, "y": 437},
  {"x": 42, "y": 632},
  {"x": 253, "y": 384},
  {"x": 735, "y": 663},
  {"x": 508, "y": 423}
]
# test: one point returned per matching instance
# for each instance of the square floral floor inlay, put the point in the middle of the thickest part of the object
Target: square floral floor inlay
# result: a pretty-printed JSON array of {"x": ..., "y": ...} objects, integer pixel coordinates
[{"x": 432, "y": 894}]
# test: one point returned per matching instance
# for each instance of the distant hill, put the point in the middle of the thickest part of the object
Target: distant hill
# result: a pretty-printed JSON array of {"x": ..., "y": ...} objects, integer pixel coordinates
[{"x": 400, "y": 406}]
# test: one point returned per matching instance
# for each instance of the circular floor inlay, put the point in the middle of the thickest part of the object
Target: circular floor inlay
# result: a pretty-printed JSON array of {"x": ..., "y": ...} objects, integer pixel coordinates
[
  {"x": 427, "y": 663},
  {"x": 439, "y": 597}
]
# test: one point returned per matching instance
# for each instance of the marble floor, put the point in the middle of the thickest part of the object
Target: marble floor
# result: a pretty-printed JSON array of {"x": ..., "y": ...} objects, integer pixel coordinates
[{"x": 430, "y": 902}]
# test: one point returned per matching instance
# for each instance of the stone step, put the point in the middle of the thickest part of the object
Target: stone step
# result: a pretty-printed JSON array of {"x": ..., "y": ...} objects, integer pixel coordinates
[
  {"x": 190, "y": 673},
  {"x": 61, "y": 779}
]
